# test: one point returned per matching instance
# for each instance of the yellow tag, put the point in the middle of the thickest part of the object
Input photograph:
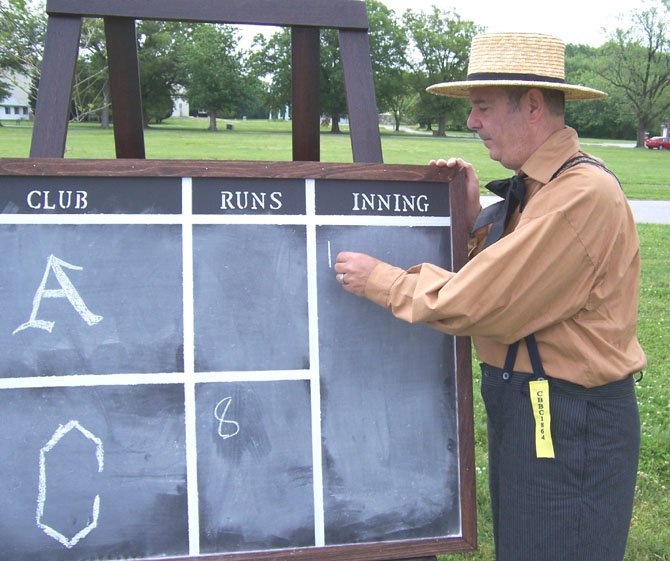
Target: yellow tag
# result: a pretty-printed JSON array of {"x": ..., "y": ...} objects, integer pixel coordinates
[{"x": 539, "y": 398}]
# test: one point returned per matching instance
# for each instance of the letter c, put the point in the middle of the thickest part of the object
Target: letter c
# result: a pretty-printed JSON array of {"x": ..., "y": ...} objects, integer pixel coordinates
[{"x": 29, "y": 200}]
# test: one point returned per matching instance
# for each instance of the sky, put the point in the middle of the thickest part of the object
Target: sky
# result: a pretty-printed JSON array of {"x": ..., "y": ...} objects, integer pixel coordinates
[{"x": 574, "y": 21}]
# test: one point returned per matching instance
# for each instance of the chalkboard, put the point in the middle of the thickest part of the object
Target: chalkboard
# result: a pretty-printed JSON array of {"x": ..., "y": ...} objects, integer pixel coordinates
[{"x": 181, "y": 376}]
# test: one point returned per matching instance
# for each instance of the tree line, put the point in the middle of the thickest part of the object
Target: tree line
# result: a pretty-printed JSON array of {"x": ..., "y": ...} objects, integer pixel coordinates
[{"x": 211, "y": 68}]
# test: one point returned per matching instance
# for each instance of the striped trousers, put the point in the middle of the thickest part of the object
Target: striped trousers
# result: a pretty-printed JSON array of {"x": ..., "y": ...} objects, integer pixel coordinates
[{"x": 577, "y": 506}]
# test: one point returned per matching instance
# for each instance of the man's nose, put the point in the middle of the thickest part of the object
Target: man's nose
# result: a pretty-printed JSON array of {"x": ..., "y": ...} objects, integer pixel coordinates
[{"x": 473, "y": 123}]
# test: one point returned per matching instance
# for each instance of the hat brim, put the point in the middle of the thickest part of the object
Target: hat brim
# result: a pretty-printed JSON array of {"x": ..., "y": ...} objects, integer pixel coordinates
[{"x": 462, "y": 89}]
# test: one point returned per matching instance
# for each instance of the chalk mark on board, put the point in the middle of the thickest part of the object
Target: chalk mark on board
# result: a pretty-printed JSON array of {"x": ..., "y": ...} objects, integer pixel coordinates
[
  {"x": 220, "y": 416},
  {"x": 67, "y": 290},
  {"x": 59, "y": 433}
]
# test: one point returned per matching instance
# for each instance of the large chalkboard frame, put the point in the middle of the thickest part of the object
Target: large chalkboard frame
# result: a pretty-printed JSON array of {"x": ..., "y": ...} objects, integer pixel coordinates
[{"x": 378, "y": 177}]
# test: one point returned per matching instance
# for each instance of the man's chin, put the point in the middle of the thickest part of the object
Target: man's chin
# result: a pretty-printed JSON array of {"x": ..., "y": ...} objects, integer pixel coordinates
[{"x": 495, "y": 156}]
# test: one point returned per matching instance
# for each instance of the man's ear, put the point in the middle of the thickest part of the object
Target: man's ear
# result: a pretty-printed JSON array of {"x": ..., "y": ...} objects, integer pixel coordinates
[{"x": 536, "y": 105}]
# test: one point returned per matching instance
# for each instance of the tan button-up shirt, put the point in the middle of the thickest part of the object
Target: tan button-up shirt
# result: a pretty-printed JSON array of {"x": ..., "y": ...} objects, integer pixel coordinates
[{"x": 567, "y": 270}]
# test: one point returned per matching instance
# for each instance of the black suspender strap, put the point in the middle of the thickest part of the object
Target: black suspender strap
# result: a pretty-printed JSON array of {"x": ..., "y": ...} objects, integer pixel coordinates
[
  {"x": 533, "y": 353},
  {"x": 535, "y": 360},
  {"x": 510, "y": 359},
  {"x": 583, "y": 159}
]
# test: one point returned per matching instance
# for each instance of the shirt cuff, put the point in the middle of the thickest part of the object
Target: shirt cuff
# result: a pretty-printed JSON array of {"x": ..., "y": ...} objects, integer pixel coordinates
[{"x": 380, "y": 282}]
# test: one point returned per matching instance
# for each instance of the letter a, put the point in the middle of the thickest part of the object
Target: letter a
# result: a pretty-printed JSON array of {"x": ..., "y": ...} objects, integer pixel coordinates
[{"x": 67, "y": 290}]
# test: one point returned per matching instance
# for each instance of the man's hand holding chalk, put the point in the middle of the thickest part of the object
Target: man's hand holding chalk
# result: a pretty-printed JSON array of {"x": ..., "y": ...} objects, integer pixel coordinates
[{"x": 353, "y": 269}]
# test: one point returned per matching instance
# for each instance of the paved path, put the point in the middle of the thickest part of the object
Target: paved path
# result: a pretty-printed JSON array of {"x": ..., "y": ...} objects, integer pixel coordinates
[
  {"x": 647, "y": 212},
  {"x": 651, "y": 212}
]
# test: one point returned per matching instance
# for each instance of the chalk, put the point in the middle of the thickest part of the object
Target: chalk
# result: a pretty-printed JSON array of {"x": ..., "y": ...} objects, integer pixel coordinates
[
  {"x": 220, "y": 416},
  {"x": 61, "y": 431},
  {"x": 330, "y": 257}
]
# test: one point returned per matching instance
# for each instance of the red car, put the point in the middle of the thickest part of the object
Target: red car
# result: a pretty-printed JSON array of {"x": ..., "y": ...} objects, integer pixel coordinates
[{"x": 660, "y": 142}]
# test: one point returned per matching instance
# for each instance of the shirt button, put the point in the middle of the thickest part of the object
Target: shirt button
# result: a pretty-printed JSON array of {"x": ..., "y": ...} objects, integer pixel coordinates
[{"x": 505, "y": 376}]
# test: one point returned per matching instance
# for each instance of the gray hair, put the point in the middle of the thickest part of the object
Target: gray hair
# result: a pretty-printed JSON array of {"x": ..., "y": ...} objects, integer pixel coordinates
[{"x": 554, "y": 99}]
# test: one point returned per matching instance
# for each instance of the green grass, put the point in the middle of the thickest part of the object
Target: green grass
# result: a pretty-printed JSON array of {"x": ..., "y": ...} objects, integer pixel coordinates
[
  {"x": 651, "y": 532},
  {"x": 643, "y": 173}
]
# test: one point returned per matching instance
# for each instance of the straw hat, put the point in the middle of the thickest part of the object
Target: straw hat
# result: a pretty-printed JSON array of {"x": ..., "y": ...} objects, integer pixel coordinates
[{"x": 516, "y": 59}]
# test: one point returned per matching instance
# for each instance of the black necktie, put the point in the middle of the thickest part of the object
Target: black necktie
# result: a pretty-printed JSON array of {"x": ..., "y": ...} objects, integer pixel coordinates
[{"x": 512, "y": 191}]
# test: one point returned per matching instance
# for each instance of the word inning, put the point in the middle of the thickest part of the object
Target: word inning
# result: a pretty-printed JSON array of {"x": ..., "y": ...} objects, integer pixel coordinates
[{"x": 391, "y": 202}]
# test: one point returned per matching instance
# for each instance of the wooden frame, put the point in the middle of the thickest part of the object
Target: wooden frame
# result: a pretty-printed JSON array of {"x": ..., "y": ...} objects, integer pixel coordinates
[
  {"x": 401, "y": 549},
  {"x": 305, "y": 17}
]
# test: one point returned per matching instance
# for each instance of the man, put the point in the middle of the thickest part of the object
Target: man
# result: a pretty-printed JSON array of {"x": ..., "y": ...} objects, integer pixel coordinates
[{"x": 549, "y": 293}]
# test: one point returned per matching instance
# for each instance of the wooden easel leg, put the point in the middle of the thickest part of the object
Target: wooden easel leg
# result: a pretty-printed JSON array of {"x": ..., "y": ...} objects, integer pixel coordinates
[
  {"x": 124, "y": 83},
  {"x": 305, "y": 96},
  {"x": 362, "y": 106},
  {"x": 55, "y": 89}
]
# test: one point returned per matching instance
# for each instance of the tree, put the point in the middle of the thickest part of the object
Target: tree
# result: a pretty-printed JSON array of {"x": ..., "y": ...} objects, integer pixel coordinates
[
  {"x": 211, "y": 70},
  {"x": 157, "y": 63},
  {"x": 157, "y": 53},
  {"x": 442, "y": 40},
  {"x": 22, "y": 31},
  {"x": 333, "y": 98},
  {"x": 602, "y": 118},
  {"x": 636, "y": 63},
  {"x": 402, "y": 98},
  {"x": 22, "y": 36},
  {"x": 271, "y": 60},
  {"x": 90, "y": 91},
  {"x": 388, "y": 47},
  {"x": 274, "y": 58}
]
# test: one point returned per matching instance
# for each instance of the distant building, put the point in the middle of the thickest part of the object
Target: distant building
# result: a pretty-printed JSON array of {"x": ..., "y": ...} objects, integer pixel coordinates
[
  {"x": 180, "y": 107},
  {"x": 15, "y": 107}
]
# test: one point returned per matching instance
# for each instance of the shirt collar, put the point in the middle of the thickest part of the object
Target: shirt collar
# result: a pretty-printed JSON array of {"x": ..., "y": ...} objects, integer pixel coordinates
[{"x": 546, "y": 160}]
